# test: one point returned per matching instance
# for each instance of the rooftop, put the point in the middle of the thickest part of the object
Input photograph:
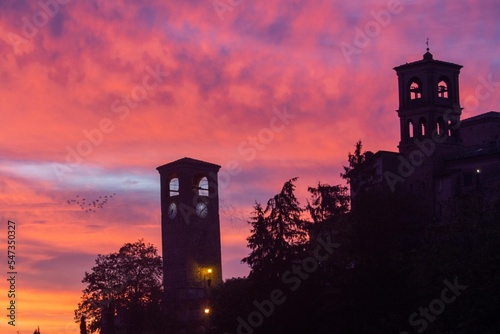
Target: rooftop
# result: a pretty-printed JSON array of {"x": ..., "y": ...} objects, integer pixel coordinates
[
  {"x": 486, "y": 116},
  {"x": 428, "y": 59}
]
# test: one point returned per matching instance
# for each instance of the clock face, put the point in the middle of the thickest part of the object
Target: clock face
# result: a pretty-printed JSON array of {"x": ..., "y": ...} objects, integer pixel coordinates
[
  {"x": 172, "y": 210},
  {"x": 201, "y": 210}
]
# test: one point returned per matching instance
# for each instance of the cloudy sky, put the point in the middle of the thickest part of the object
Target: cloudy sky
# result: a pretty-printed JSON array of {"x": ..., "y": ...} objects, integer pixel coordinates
[{"x": 94, "y": 95}]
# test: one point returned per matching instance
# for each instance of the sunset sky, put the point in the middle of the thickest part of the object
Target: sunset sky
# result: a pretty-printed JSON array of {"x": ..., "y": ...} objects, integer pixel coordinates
[{"x": 95, "y": 94}]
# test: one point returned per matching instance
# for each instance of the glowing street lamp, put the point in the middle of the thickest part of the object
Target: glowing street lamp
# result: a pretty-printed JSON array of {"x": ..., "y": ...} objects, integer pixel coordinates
[
  {"x": 209, "y": 277},
  {"x": 206, "y": 310}
]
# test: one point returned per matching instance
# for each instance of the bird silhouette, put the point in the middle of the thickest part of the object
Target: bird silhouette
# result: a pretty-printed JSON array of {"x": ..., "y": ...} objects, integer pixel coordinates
[{"x": 91, "y": 205}]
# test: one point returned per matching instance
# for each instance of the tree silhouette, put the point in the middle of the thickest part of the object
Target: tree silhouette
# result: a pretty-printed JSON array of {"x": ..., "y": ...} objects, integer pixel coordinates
[
  {"x": 260, "y": 242},
  {"x": 230, "y": 300},
  {"x": 277, "y": 233},
  {"x": 83, "y": 325},
  {"x": 327, "y": 202},
  {"x": 354, "y": 160},
  {"x": 127, "y": 284}
]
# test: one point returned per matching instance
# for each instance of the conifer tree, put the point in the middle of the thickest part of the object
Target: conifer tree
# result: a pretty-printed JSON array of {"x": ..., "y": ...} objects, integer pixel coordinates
[
  {"x": 278, "y": 231},
  {"x": 355, "y": 159}
]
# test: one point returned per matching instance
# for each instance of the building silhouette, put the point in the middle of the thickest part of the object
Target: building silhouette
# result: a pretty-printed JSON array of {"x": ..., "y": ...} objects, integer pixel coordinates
[
  {"x": 190, "y": 230},
  {"x": 441, "y": 157}
]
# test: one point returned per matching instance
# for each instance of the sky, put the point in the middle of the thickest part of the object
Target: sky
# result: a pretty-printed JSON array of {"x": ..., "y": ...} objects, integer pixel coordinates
[{"x": 95, "y": 94}]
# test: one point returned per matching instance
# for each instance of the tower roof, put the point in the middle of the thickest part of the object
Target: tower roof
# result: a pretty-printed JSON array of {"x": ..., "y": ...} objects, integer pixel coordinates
[
  {"x": 188, "y": 162},
  {"x": 427, "y": 60}
]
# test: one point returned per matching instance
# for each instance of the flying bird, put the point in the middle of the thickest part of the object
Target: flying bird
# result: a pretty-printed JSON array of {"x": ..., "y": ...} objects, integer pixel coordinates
[{"x": 91, "y": 205}]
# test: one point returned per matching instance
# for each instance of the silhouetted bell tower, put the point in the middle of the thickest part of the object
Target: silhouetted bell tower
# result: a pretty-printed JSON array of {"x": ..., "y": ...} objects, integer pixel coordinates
[
  {"x": 190, "y": 236},
  {"x": 429, "y": 103}
]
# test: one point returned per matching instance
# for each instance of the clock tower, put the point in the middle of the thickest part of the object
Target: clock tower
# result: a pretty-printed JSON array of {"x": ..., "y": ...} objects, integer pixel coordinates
[{"x": 190, "y": 230}]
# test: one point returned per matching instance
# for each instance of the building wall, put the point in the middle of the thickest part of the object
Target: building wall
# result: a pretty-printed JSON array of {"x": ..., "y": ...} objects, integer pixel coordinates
[{"x": 481, "y": 130}]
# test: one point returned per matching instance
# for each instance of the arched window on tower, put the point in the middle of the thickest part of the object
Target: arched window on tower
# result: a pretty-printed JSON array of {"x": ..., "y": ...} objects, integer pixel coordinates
[
  {"x": 415, "y": 89},
  {"x": 423, "y": 127},
  {"x": 443, "y": 89},
  {"x": 203, "y": 186},
  {"x": 449, "y": 128},
  {"x": 173, "y": 186},
  {"x": 440, "y": 126},
  {"x": 411, "y": 132}
]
